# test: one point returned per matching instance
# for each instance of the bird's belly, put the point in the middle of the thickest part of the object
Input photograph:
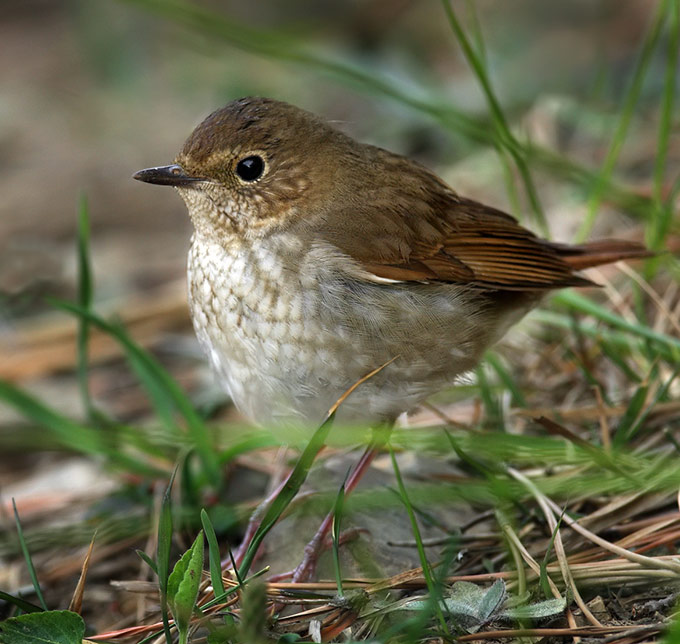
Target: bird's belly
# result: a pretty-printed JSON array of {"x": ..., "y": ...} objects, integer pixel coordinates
[{"x": 287, "y": 346}]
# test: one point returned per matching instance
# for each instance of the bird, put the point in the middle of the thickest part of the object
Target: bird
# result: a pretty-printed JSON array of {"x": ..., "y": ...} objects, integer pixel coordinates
[{"x": 316, "y": 259}]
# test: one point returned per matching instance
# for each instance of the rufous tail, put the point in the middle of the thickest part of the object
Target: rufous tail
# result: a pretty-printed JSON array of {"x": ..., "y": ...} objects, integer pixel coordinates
[{"x": 604, "y": 251}]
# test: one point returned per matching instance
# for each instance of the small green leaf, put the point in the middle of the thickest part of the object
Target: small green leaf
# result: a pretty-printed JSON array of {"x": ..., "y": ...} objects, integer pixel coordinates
[
  {"x": 147, "y": 560},
  {"x": 183, "y": 584},
  {"x": 539, "y": 610},
  {"x": 471, "y": 606},
  {"x": 491, "y": 601},
  {"x": 672, "y": 634},
  {"x": 49, "y": 627},
  {"x": 462, "y": 605},
  {"x": 222, "y": 634}
]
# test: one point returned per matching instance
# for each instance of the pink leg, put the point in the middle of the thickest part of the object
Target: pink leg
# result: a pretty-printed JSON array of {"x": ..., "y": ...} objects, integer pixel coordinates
[
  {"x": 253, "y": 525},
  {"x": 313, "y": 548}
]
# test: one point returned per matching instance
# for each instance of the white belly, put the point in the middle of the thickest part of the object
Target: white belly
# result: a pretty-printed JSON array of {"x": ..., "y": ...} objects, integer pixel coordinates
[{"x": 288, "y": 340}]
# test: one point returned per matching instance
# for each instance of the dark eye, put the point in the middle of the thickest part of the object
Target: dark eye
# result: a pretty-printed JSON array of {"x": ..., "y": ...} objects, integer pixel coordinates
[{"x": 250, "y": 168}]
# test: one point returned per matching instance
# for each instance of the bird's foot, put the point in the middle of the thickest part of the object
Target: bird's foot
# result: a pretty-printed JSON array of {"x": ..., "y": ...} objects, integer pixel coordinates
[{"x": 307, "y": 567}]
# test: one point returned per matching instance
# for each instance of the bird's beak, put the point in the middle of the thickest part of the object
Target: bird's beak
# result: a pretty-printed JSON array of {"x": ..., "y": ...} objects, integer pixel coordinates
[{"x": 166, "y": 175}]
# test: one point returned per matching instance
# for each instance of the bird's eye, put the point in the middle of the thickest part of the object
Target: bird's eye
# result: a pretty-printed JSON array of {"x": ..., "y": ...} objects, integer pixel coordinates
[{"x": 250, "y": 168}]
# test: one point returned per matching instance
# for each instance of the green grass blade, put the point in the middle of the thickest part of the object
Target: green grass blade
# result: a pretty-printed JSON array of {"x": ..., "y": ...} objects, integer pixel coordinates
[
  {"x": 20, "y": 603},
  {"x": 625, "y": 117},
  {"x": 84, "y": 301},
  {"x": 274, "y": 45},
  {"x": 214, "y": 558},
  {"x": 505, "y": 137},
  {"x": 434, "y": 589},
  {"x": 27, "y": 557},
  {"x": 72, "y": 435},
  {"x": 609, "y": 350},
  {"x": 490, "y": 402},
  {"x": 509, "y": 179},
  {"x": 148, "y": 561},
  {"x": 69, "y": 434},
  {"x": 672, "y": 10},
  {"x": 159, "y": 380},
  {"x": 517, "y": 397},
  {"x": 161, "y": 399},
  {"x": 637, "y": 412},
  {"x": 288, "y": 491},
  {"x": 632, "y": 413},
  {"x": 477, "y": 465},
  {"x": 473, "y": 16},
  {"x": 543, "y": 575},
  {"x": 660, "y": 224},
  {"x": 582, "y": 304},
  {"x": 239, "y": 579},
  {"x": 567, "y": 169},
  {"x": 478, "y": 68},
  {"x": 623, "y": 342},
  {"x": 338, "y": 508},
  {"x": 250, "y": 444},
  {"x": 163, "y": 546}
]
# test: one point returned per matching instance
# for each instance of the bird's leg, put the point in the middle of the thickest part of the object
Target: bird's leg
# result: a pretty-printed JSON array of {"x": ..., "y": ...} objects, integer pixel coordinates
[
  {"x": 253, "y": 524},
  {"x": 312, "y": 550}
]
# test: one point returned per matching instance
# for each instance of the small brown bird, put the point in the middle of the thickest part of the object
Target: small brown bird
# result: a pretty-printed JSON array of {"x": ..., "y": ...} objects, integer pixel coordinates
[{"x": 316, "y": 259}]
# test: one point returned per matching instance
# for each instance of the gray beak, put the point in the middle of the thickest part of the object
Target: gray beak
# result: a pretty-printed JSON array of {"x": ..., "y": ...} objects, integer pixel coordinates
[{"x": 166, "y": 175}]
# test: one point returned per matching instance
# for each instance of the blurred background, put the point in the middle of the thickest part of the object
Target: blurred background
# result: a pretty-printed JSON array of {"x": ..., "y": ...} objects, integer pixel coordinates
[{"x": 93, "y": 90}]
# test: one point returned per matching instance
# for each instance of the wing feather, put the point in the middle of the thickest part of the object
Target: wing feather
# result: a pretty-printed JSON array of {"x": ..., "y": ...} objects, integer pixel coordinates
[{"x": 406, "y": 225}]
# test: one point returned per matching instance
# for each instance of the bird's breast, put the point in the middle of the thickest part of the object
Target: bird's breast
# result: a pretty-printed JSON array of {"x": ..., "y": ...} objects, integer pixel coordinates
[
  {"x": 256, "y": 312},
  {"x": 288, "y": 329}
]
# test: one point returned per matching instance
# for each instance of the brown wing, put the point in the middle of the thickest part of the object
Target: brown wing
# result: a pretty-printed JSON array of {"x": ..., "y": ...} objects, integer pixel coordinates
[
  {"x": 406, "y": 224},
  {"x": 487, "y": 248},
  {"x": 483, "y": 247}
]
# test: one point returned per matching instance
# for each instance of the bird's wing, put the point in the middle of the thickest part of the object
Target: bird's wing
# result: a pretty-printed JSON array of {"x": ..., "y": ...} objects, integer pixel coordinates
[
  {"x": 400, "y": 222},
  {"x": 476, "y": 245},
  {"x": 483, "y": 247}
]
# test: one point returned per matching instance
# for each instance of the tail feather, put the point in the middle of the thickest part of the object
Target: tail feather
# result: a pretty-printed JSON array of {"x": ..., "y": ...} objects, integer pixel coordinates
[{"x": 605, "y": 251}]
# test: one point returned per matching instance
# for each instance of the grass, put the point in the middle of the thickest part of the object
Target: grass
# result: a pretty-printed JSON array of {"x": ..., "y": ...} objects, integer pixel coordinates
[
  {"x": 530, "y": 462},
  {"x": 625, "y": 117}
]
